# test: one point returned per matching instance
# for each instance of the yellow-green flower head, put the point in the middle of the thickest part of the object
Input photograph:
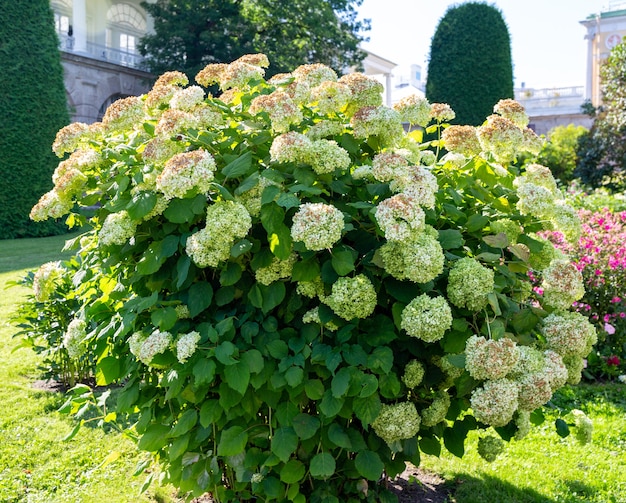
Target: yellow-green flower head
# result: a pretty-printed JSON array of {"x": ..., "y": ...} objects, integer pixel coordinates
[
  {"x": 124, "y": 113},
  {"x": 326, "y": 156},
  {"x": 278, "y": 269},
  {"x": 211, "y": 74},
  {"x": 574, "y": 365},
  {"x": 441, "y": 112},
  {"x": 314, "y": 74},
  {"x": 299, "y": 92},
  {"x": 46, "y": 279},
  {"x": 489, "y": 359},
  {"x": 419, "y": 258},
  {"x": 378, "y": 121},
  {"x": 135, "y": 341},
  {"x": 313, "y": 316},
  {"x": 522, "y": 421},
  {"x": 495, "y": 402},
  {"x": 186, "y": 346},
  {"x": 511, "y": 229},
  {"x": 569, "y": 334},
  {"x": 252, "y": 198},
  {"x": 366, "y": 91},
  {"x": 490, "y": 447},
  {"x": 363, "y": 173},
  {"x": 534, "y": 391},
  {"x": 565, "y": 218},
  {"x": 532, "y": 142},
  {"x": 469, "y": 284},
  {"x": 173, "y": 121},
  {"x": 512, "y": 110},
  {"x": 68, "y": 180},
  {"x": 414, "y": 109},
  {"x": 399, "y": 216},
  {"x": 386, "y": 164},
  {"x": 417, "y": 182},
  {"x": 461, "y": 140},
  {"x": 562, "y": 284},
  {"x": 501, "y": 137},
  {"x": 186, "y": 172},
  {"x": 450, "y": 371},
  {"x": 555, "y": 369},
  {"x": 436, "y": 412},
  {"x": 530, "y": 360},
  {"x": 542, "y": 259},
  {"x": 428, "y": 158},
  {"x": 238, "y": 74},
  {"x": 187, "y": 99},
  {"x": 311, "y": 289},
  {"x": 159, "y": 149},
  {"x": 282, "y": 110},
  {"x": 352, "y": 298},
  {"x": 51, "y": 205},
  {"x": 397, "y": 422},
  {"x": 174, "y": 79},
  {"x": 317, "y": 225},
  {"x": 117, "y": 229},
  {"x": 538, "y": 175},
  {"x": 330, "y": 97},
  {"x": 535, "y": 200},
  {"x": 226, "y": 222},
  {"x": 324, "y": 129},
  {"x": 291, "y": 147},
  {"x": 182, "y": 312},
  {"x": 427, "y": 318},
  {"x": 413, "y": 374},
  {"x": 583, "y": 426},
  {"x": 82, "y": 159},
  {"x": 74, "y": 338},
  {"x": 70, "y": 137},
  {"x": 155, "y": 344}
]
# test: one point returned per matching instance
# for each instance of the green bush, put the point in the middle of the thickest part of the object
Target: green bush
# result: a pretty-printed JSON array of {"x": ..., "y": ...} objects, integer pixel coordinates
[
  {"x": 33, "y": 108},
  {"x": 296, "y": 296},
  {"x": 559, "y": 153},
  {"x": 470, "y": 65}
]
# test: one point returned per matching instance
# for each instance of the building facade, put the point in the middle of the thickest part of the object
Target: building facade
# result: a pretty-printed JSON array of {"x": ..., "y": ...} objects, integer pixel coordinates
[{"x": 98, "y": 43}]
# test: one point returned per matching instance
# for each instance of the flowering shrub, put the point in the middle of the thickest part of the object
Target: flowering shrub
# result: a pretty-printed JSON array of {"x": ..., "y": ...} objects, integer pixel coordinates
[
  {"x": 600, "y": 255},
  {"x": 297, "y": 296}
]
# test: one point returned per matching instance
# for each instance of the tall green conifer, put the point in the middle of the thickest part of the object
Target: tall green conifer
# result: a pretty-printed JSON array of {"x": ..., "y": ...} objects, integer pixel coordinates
[
  {"x": 32, "y": 109},
  {"x": 470, "y": 64}
]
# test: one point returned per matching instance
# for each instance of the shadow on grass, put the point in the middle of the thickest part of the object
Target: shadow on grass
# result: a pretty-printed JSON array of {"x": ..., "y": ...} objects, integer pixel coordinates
[{"x": 30, "y": 253}]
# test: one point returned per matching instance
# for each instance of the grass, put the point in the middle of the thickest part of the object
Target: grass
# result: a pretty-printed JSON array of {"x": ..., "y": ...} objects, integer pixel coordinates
[{"x": 36, "y": 466}]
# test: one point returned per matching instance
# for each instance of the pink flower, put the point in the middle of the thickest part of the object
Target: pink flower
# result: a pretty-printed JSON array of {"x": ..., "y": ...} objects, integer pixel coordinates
[
  {"x": 613, "y": 361},
  {"x": 616, "y": 299},
  {"x": 606, "y": 319},
  {"x": 622, "y": 315},
  {"x": 609, "y": 329}
]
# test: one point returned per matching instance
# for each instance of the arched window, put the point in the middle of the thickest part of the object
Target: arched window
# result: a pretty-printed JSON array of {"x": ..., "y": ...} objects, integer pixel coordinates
[{"x": 125, "y": 26}]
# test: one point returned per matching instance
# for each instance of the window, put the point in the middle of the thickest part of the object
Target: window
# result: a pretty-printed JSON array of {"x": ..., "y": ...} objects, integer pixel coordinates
[
  {"x": 62, "y": 16},
  {"x": 126, "y": 25}
]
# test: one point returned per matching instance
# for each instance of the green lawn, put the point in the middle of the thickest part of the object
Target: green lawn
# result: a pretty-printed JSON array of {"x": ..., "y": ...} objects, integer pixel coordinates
[{"x": 36, "y": 466}]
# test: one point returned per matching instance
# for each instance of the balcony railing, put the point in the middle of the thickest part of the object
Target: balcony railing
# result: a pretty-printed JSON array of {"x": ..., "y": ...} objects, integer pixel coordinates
[
  {"x": 551, "y": 100},
  {"x": 104, "y": 53}
]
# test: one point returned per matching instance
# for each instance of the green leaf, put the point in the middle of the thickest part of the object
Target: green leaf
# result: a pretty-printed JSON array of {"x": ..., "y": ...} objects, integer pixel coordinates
[
  {"x": 343, "y": 262},
  {"x": 284, "y": 443},
  {"x": 497, "y": 241},
  {"x": 454, "y": 439},
  {"x": 476, "y": 222},
  {"x": 294, "y": 376},
  {"x": 430, "y": 445},
  {"x": 306, "y": 270},
  {"x": 204, "y": 371},
  {"x": 369, "y": 465},
  {"x": 181, "y": 211},
  {"x": 305, "y": 426},
  {"x": 141, "y": 204},
  {"x": 200, "y": 297},
  {"x": 73, "y": 432},
  {"x": 562, "y": 428},
  {"x": 367, "y": 409},
  {"x": 281, "y": 243},
  {"x": 314, "y": 389},
  {"x": 182, "y": 270},
  {"x": 210, "y": 412},
  {"x": 322, "y": 466},
  {"x": 238, "y": 376},
  {"x": 269, "y": 194},
  {"x": 254, "y": 360},
  {"x": 272, "y": 218},
  {"x": 108, "y": 370},
  {"x": 185, "y": 423},
  {"x": 156, "y": 254},
  {"x": 231, "y": 274},
  {"x": 292, "y": 472},
  {"x": 381, "y": 359},
  {"x": 341, "y": 382},
  {"x": 240, "y": 247},
  {"x": 154, "y": 438},
  {"x": 164, "y": 318},
  {"x": 330, "y": 406},
  {"x": 241, "y": 166},
  {"x": 450, "y": 239},
  {"x": 369, "y": 385},
  {"x": 457, "y": 360},
  {"x": 178, "y": 447},
  {"x": 233, "y": 440},
  {"x": 338, "y": 436},
  {"x": 288, "y": 201}
]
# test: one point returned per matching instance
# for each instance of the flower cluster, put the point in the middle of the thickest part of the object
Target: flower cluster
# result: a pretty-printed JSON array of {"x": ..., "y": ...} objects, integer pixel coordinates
[
  {"x": 437, "y": 410},
  {"x": 562, "y": 284},
  {"x": 317, "y": 225},
  {"x": 399, "y": 216},
  {"x": 469, "y": 284},
  {"x": 352, "y": 297},
  {"x": 397, "y": 422},
  {"x": 74, "y": 338},
  {"x": 427, "y": 318},
  {"x": 45, "y": 280},
  {"x": 146, "y": 348},
  {"x": 462, "y": 140},
  {"x": 186, "y": 346},
  {"x": 490, "y": 359},
  {"x": 117, "y": 229},
  {"x": 490, "y": 447},
  {"x": 278, "y": 269},
  {"x": 414, "y": 110},
  {"x": 495, "y": 402},
  {"x": 413, "y": 374},
  {"x": 185, "y": 172}
]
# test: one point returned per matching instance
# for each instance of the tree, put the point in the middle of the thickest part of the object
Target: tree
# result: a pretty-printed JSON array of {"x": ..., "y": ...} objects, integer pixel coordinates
[
  {"x": 602, "y": 152},
  {"x": 559, "y": 153},
  {"x": 189, "y": 34},
  {"x": 470, "y": 65},
  {"x": 33, "y": 108}
]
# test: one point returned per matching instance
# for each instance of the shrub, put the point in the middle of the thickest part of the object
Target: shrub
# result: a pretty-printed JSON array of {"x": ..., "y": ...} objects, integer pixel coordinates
[
  {"x": 559, "y": 153},
  {"x": 471, "y": 42},
  {"x": 296, "y": 296},
  {"x": 600, "y": 255},
  {"x": 33, "y": 108}
]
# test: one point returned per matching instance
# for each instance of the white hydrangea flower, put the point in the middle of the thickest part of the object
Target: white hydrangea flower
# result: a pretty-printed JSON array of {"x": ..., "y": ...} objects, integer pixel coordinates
[
  {"x": 317, "y": 225},
  {"x": 414, "y": 109},
  {"x": 562, "y": 284},
  {"x": 117, "y": 229},
  {"x": 489, "y": 359},
  {"x": 326, "y": 156},
  {"x": 469, "y": 283},
  {"x": 427, "y": 318},
  {"x": 185, "y": 172},
  {"x": 436, "y": 412},
  {"x": 73, "y": 340},
  {"x": 569, "y": 334},
  {"x": 186, "y": 346},
  {"x": 399, "y": 216},
  {"x": 413, "y": 374},
  {"x": 418, "y": 258},
  {"x": 397, "y": 422},
  {"x": 156, "y": 343},
  {"x": 417, "y": 182},
  {"x": 352, "y": 297},
  {"x": 278, "y": 269},
  {"x": 495, "y": 402},
  {"x": 45, "y": 280},
  {"x": 187, "y": 98}
]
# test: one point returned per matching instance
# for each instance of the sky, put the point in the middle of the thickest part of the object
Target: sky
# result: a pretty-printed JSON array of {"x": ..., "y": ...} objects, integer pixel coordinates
[{"x": 548, "y": 43}]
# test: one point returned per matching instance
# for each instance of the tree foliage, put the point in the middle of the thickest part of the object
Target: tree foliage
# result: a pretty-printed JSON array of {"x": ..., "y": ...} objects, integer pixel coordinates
[
  {"x": 33, "y": 108},
  {"x": 470, "y": 64},
  {"x": 559, "y": 153},
  {"x": 189, "y": 34},
  {"x": 602, "y": 152}
]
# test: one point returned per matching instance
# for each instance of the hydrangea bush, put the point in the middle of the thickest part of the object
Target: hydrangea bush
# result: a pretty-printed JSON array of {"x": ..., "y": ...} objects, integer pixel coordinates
[{"x": 297, "y": 295}]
